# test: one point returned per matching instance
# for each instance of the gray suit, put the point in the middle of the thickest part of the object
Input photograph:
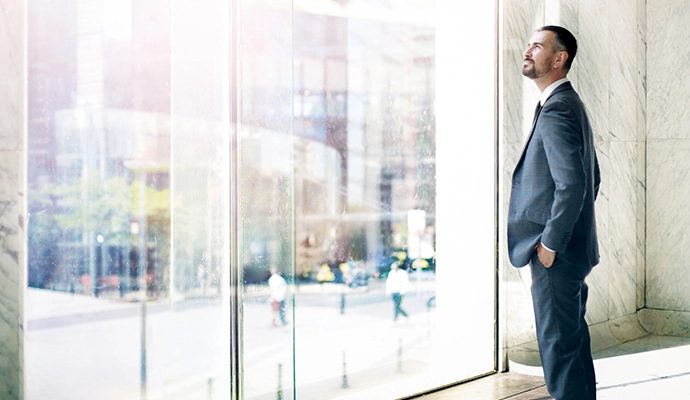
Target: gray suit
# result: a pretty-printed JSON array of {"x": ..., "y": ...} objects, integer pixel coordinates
[
  {"x": 554, "y": 186},
  {"x": 555, "y": 183}
]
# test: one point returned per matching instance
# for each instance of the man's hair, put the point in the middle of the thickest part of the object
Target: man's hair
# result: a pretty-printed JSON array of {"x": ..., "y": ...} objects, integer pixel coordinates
[{"x": 563, "y": 40}]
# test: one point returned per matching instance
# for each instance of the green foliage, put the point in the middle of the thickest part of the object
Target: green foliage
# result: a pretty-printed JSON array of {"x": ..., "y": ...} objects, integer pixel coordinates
[
  {"x": 94, "y": 206},
  {"x": 103, "y": 207}
]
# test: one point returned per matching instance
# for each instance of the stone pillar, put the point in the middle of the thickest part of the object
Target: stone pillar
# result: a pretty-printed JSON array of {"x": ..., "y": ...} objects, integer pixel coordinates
[{"x": 13, "y": 218}]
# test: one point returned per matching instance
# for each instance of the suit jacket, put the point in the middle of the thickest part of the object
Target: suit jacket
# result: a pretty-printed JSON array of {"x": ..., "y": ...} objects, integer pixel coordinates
[{"x": 554, "y": 185}]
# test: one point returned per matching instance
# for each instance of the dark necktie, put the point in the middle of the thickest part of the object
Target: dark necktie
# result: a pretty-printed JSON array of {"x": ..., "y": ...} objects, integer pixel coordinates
[{"x": 536, "y": 112}]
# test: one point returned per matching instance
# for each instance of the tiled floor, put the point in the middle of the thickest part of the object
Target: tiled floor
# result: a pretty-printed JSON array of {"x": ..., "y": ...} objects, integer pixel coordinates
[{"x": 653, "y": 367}]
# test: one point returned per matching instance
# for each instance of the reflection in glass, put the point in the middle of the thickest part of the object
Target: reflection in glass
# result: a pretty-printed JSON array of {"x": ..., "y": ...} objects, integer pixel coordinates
[
  {"x": 266, "y": 187},
  {"x": 353, "y": 162},
  {"x": 129, "y": 197},
  {"x": 127, "y": 186}
]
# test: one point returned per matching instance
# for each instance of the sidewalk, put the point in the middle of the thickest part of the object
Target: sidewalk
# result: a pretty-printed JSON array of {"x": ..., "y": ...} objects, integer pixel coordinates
[
  {"x": 79, "y": 345},
  {"x": 337, "y": 353}
]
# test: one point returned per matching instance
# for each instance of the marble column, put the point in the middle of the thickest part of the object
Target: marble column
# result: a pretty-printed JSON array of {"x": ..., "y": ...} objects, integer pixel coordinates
[{"x": 12, "y": 197}]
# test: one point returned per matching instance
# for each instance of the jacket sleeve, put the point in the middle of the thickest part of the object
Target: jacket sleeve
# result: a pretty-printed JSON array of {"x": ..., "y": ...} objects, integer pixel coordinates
[{"x": 562, "y": 140}]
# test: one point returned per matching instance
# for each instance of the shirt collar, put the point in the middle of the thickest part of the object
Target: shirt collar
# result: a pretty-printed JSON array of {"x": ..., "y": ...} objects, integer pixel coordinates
[{"x": 549, "y": 89}]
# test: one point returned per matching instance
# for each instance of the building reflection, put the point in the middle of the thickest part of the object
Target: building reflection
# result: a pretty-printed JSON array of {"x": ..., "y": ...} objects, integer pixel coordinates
[
  {"x": 352, "y": 100},
  {"x": 362, "y": 145}
]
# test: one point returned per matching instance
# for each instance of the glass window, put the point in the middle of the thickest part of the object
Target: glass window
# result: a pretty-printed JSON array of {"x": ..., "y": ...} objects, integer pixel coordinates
[
  {"x": 338, "y": 202},
  {"x": 293, "y": 144},
  {"x": 128, "y": 200}
]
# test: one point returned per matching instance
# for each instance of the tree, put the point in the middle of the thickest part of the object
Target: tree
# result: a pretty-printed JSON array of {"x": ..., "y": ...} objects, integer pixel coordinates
[{"x": 70, "y": 216}]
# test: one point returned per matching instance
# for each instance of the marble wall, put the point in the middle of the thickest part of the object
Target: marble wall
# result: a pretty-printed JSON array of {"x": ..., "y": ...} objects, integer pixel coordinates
[
  {"x": 668, "y": 168},
  {"x": 630, "y": 75},
  {"x": 12, "y": 197},
  {"x": 609, "y": 75}
]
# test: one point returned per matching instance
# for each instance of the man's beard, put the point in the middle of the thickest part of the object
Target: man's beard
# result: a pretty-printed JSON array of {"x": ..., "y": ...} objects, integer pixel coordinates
[
  {"x": 528, "y": 72},
  {"x": 531, "y": 71}
]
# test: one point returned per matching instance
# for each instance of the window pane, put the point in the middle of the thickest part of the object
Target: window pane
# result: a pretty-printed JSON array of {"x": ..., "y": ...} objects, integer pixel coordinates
[
  {"x": 375, "y": 198},
  {"x": 336, "y": 166},
  {"x": 335, "y": 191},
  {"x": 266, "y": 186},
  {"x": 128, "y": 194}
]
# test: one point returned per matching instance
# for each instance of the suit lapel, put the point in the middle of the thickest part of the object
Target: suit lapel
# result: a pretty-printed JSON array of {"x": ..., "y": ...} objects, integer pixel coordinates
[
  {"x": 560, "y": 88},
  {"x": 531, "y": 132}
]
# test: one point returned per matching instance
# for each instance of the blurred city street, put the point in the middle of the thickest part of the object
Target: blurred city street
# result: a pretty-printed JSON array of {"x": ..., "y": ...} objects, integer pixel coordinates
[{"x": 83, "y": 347}]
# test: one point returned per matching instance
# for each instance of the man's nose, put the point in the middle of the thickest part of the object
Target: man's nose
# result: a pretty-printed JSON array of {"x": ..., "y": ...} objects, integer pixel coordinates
[{"x": 527, "y": 53}]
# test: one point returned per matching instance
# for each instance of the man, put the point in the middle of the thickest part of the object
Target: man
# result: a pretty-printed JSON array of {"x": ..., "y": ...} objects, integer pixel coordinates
[{"x": 551, "y": 224}]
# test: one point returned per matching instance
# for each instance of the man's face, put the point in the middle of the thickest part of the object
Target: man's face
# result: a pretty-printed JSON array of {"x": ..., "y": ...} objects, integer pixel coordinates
[{"x": 539, "y": 56}]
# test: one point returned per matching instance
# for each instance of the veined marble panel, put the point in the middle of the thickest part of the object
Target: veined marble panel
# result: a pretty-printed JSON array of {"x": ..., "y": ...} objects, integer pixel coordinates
[
  {"x": 667, "y": 55},
  {"x": 593, "y": 64},
  {"x": 517, "y": 28},
  {"x": 598, "y": 280},
  {"x": 668, "y": 224},
  {"x": 641, "y": 245},
  {"x": 565, "y": 14},
  {"x": 602, "y": 202},
  {"x": 622, "y": 232},
  {"x": 12, "y": 201},
  {"x": 12, "y": 97},
  {"x": 598, "y": 301},
  {"x": 623, "y": 70},
  {"x": 12, "y": 273},
  {"x": 641, "y": 149},
  {"x": 641, "y": 71},
  {"x": 520, "y": 95}
]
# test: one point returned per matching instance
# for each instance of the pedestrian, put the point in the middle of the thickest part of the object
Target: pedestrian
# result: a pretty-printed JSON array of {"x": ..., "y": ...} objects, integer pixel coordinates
[
  {"x": 551, "y": 222},
  {"x": 278, "y": 292},
  {"x": 397, "y": 284}
]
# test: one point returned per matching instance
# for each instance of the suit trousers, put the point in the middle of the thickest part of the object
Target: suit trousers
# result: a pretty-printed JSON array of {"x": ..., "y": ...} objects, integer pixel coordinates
[{"x": 559, "y": 295}]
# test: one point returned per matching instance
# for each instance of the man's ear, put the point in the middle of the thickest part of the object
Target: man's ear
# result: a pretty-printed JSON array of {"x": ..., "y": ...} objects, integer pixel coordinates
[{"x": 560, "y": 59}]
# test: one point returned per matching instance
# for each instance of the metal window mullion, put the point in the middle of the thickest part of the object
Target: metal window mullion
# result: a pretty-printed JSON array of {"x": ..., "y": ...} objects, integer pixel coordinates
[{"x": 236, "y": 362}]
